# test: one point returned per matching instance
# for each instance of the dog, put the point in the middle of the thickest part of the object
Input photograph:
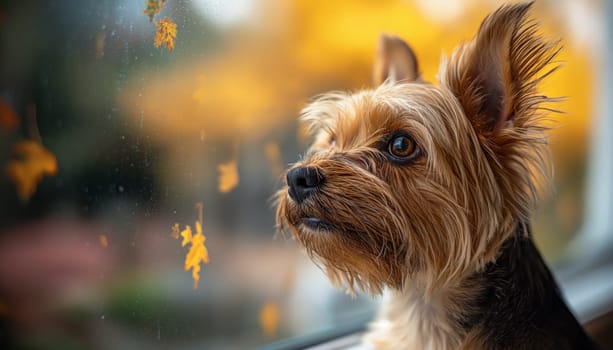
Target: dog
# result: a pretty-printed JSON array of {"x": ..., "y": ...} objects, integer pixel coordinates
[{"x": 425, "y": 192}]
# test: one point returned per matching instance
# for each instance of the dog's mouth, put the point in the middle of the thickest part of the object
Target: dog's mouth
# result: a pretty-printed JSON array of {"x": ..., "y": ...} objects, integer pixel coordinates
[{"x": 316, "y": 224}]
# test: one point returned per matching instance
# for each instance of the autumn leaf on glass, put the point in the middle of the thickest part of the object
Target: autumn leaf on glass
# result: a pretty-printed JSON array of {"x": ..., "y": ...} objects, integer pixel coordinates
[
  {"x": 269, "y": 318},
  {"x": 165, "y": 34},
  {"x": 34, "y": 162},
  {"x": 198, "y": 253},
  {"x": 153, "y": 8},
  {"x": 228, "y": 176}
]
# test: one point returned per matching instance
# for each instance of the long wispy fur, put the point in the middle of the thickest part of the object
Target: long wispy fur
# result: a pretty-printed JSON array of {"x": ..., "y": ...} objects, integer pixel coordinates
[{"x": 434, "y": 230}]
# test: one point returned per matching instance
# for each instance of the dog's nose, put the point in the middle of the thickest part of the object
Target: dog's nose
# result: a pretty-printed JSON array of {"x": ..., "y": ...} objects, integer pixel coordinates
[{"x": 302, "y": 182}]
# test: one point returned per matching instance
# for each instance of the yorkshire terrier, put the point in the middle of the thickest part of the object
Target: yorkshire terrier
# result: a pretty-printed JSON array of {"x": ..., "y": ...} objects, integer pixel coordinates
[{"x": 426, "y": 191}]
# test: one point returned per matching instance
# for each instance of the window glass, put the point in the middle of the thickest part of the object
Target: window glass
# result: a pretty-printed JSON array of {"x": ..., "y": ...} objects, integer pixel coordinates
[{"x": 124, "y": 122}]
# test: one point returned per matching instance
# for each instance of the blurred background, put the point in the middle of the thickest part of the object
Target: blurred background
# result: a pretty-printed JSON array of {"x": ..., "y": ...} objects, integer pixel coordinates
[{"x": 107, "y": 142}]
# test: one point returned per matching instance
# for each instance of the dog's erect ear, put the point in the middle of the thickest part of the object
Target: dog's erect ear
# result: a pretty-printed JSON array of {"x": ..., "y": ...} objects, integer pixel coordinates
[
  {"x": 494, "y": 76},
  {"x": 395, "y": 61}
]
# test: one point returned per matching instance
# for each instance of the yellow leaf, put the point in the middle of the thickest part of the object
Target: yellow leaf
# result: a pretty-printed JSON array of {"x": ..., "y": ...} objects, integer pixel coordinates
[
  {"x": 228, "y": 176},
  {"x": 165, "y": 34},
  {"x": 197, "y": 252},
  {"x": 153, "y": 8},
  {"x": 269, "y": 318},
  {"x": 104, "y": 241},
  {"x": 34, "y": 162},
  {"x": 187, "y": 235}
]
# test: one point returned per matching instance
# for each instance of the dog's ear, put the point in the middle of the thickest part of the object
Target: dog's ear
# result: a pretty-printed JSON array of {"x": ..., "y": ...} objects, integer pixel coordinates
[
  {"x": 395, "y": 61},
  {"x": 494, "y": 76}
]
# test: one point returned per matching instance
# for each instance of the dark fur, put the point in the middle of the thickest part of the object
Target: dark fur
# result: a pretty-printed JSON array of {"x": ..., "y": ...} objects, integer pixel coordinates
[{"x": 521, "y": 306}]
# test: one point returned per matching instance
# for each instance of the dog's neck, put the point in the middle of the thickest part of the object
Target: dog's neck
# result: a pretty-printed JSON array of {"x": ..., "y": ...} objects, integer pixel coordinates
[
  {"x": 413, "y": 317},
  {"x": 511, "y": 300},
  {"x": 426, "y": 320}
]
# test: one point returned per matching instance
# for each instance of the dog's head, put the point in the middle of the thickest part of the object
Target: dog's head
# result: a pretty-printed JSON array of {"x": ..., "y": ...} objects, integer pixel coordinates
[{"x": 411, "y": 177}]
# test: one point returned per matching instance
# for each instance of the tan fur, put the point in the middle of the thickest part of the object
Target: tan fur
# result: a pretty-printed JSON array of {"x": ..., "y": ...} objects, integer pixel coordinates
[
  {"x": 426, "y": 320},
  {"x": 421, "y": 229}
]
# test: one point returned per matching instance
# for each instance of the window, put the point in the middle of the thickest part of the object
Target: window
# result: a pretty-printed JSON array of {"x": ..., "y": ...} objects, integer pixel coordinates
[{"x": 108, "y": 142}]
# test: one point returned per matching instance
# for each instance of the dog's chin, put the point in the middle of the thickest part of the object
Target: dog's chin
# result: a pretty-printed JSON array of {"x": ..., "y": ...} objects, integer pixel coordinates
[{"x": 351, "y": 258}]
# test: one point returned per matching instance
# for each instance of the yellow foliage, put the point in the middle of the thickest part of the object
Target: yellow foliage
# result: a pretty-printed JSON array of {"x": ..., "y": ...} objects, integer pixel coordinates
[
  {"x": 165, "y": 34},
  {"x": 269, "y": 318},
  {"x": 187, "y": 235},
  {"x": 307, "y": 47},
  {"x": 34, "y": 162},
  {"x": 228, "y": 176},
  {"x": 197, "y": 252},
  {"x": 153, "y": 8}
]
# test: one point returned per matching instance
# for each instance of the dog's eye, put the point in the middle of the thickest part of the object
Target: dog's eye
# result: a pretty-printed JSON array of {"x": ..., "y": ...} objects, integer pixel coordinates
[
  {"x": 332, "y": 140},
  {"x": 402, "y": 147}
]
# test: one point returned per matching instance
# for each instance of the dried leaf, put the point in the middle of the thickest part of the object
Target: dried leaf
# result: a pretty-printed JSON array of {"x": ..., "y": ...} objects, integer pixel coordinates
[
  {"x": 9, "y": 120},
  {"x": 165, "y": 34},
  {"x": 153, "y": 8},
  {"x": 187, "y": 235},
  {"x": 269, "y": 318},
  {"x": 104, "y": 241},
  {"x": 197, "y": 252},
  {"x": 228, "y": 176},
  {"x": 34, "y": 162}
]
